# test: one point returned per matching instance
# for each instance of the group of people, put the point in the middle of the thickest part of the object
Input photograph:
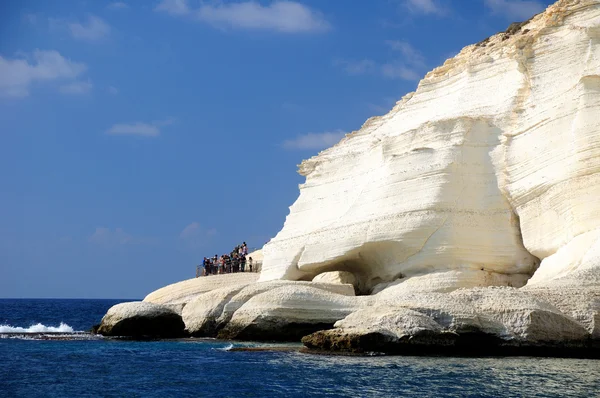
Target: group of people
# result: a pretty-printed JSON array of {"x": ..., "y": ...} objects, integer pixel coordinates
[{"x": 236, "y": 261}]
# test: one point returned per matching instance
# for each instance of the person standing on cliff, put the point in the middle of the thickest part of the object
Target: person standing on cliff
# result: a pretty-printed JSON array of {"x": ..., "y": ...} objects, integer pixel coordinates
[{"x": 250, "y": 263}]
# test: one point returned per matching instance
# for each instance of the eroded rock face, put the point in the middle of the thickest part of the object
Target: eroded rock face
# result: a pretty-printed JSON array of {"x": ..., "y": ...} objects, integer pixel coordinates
[
  {"x": 185, "y": 291},
  {"x": 468, "y": 321},
  {"x": 278, "y": 310},
  {"x": 488, "y": 175},
  {"x": 287, "y": 313},
  {"x": 139, "y": 319},
  {"x": 492, "y": 165},
  {"x": 340, "y": 278}
]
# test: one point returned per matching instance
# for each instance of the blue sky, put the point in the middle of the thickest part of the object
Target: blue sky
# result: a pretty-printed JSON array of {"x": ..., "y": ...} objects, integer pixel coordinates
[{"x": 138, "y": 136}]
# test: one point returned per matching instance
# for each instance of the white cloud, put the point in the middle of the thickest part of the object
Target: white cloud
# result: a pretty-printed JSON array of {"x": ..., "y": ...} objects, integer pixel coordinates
[
  {"x": 112, "y": 90},
  {"x": 95, "y": 29},
  {"x": 315, "y": 140},
  {"x": 428, "y": 7},
  {"x": 354, "y": 68},
  {"x": 194, "y": 235},
  {"x": 384, "y": 106},
  {"x": 137, "y": 128},
  {"x": 281, "y": 16},
  {"x": 76, "y": 88},
  {"x": 17, "y": 75},
  {"x": 106, "y": 236},
  {"x": 173, "y": 7},
  {"x": 409, "y": 67},
  {"x": 411, "y": 56},
  {"x": 30, "y": 18},
  {"x": 109, "y": 237},
  {"x": 397, "y": 70},
  {"x": 117, "y": 5},
  {"x": 516, "y": 10},
  {"x": 190, "y": 230}
]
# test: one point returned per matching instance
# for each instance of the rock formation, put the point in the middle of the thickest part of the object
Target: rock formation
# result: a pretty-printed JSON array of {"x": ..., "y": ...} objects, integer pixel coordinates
[
  {"x": 491, "y": 165},
  {"x": 139, "y": 319},
  {"x": 467, "y": 219}
]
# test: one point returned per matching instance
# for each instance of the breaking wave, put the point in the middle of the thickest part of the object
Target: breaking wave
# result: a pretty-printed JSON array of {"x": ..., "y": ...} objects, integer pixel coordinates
[
  {"x": 226, "y": 348},
  {"x": 37, "y": 328}
]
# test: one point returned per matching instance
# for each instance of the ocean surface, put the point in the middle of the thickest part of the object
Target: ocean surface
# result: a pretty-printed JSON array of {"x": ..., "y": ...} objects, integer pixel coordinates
[{"x": 44, "y": 355}]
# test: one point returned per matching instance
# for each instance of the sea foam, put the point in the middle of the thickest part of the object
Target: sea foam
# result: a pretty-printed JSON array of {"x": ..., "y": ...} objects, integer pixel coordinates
[{"x": 37, "y": 328}]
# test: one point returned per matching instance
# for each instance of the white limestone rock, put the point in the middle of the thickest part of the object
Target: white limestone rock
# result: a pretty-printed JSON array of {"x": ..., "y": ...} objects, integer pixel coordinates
[
  {"x": 475, "y": 321},
  {"x": 337, "y": 277},
  {"x": 185, "y": 291},
  {"x": 487, "y": 175},
  {"x": 448, "y": 281},
  {"x": 211, "y": 311},
  {"x": 504, "y": 312},
  {"x": 492, "y": 164},
  {"x": 289, "y": 312},
  {"x": 200, "y": 315},
  {"x": 140, "y": 319}
]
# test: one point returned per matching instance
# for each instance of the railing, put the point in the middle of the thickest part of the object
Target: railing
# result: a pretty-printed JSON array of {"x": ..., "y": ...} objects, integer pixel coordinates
[{"x": 256, "y": 267}]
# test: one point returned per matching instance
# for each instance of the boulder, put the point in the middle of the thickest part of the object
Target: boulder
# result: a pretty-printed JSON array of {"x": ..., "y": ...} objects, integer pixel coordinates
[{"x": 140, "y": 319}]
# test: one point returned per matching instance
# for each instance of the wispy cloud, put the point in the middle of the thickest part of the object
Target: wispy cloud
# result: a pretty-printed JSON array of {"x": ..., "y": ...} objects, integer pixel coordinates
[
  {"x": 398, "y": 70},
  {"x": 428, "y": 7},
  {"x": 93, "y": 30},
  {"x": 314, "y": 141},
  {"x": 359, "y": 67},
  {"x": 409, "y": 54},
  {"x": 408, "y": 66},
  {"x": 17, "y": 75},
  {"x": 112, "y": 90},
  {"x": 280, "y": 16},
  {"x": 140, "y": 128},
  {"x": 113, "y": 237},
  {"x": 137, "y": 128},
  {"x": 383, "y": 106},
  {"x": 516, "y": 10},
  {"x": 190, "y": 230},
  {"x": 194, "y": 234},
  {"x": 173, "y": 7},
  {"x": 76, "y": 88},
  {"x": 106, "y": 236},
  {"x": 30, "y": 18},
  {"x": 117, "y": 5}
]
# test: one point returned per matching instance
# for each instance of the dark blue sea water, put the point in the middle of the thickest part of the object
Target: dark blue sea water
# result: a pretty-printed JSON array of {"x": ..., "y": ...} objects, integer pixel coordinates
[{"x": 91, "y": 366}]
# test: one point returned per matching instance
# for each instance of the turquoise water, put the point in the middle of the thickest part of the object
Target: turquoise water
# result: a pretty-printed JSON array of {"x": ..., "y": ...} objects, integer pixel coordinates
[{"x": 85, "y": 365}]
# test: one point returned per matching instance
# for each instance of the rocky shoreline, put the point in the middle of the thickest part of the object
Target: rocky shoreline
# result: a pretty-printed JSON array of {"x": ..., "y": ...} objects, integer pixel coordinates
[
  {"x": 466, "y": 221},
  {"x": 328, "y": 317}
]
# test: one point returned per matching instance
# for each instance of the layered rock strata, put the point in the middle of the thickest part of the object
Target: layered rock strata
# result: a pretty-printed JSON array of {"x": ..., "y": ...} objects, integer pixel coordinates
[
  {"x": 466, "y": 220},
  {"x": 491, "y": 165}
]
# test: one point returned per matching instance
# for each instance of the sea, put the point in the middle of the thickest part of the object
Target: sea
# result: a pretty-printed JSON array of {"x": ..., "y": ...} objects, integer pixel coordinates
[{"x": 46, "y": 352}]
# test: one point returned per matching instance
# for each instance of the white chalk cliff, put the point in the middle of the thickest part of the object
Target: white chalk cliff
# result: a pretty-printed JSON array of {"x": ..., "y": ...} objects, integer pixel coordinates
[
  {"x": 471, "y": 208},
  {"x": 491, "y": 166}
]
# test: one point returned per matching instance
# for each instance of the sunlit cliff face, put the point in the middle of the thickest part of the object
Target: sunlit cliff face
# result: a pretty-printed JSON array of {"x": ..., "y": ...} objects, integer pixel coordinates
[{"x": 491, "y": 166}]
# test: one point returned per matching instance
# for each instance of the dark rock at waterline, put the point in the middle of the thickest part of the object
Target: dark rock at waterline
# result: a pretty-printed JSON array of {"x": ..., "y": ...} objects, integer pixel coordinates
[
  {"x": 142, "y": 320},
  {"x": 445, "y": 343},
  {"x": 271, "y": 331}
]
